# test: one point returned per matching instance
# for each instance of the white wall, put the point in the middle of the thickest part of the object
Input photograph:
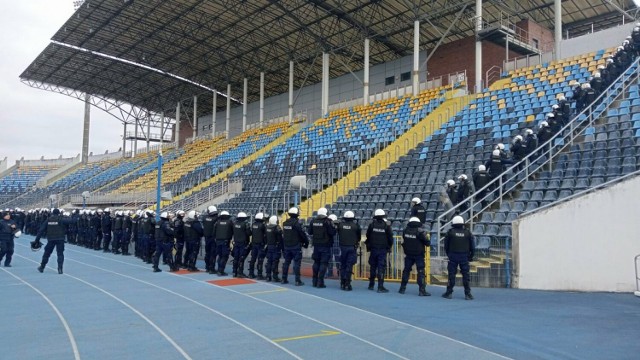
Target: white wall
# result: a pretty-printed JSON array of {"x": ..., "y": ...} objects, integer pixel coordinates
[
  {"x": 595, "y": 41},
  {"x": 586, "y": 244}
]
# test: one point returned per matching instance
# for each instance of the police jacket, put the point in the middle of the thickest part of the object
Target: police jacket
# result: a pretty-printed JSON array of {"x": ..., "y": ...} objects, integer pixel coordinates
[
  {"x": 531, "y": 143},
  {"x": 612, "y": 68},
  {"x": 321, "y": 231},
  {"x": 496, "y": 165},
  {"x": 292, "y": 233},
  {"x": 127, "y": 223},
  {"x": 223, "y": 229},
  {"x": 7, "y": 227},
  {"x": 452, "y": 193},
  {"x": 519, "y": 150},
  {"x": 106, "y": 223},
  {"x": 55, "y": 228},
  {"x": 164, "y": 232},
  {"x": 241, "y": 233},
  {"x": 145, "y": 225},
  {"x": 414, "y": 240},
  {"x": 193, "y": 230},
  {"x": 117, "y": 223},
  {"x": 258, "y": 233},
  {"x": 208, "y": 224},
  {"x": 95, "y": 222},
  {"x": 419, "y": 211},
  {"x": 578, "y": 94},
  {"x": 273, "y": 235},
  {"x": 379, "y": 235},
  {"x": 480, "y": 179},
  {"x": 178, "y": 228},
  {"x": 544, "y": 134},
  {"x": 596, "y": 84},
  {"x": 459, "y": 240},
  {"x": 589, "y": 96},
  {"x": 565, "y": 106},
  {"x": 464, "y": 190},
  {"x": 134, "y": 226},
  {"x": 349, "y": 232}
]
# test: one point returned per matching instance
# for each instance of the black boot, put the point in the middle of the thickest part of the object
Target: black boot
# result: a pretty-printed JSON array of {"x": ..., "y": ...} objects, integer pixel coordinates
[
  {"x": 60, "y": 269},
  {"x": 276, "y": 278},
  {"x": 423, "y": 292},
  {"x": 468, "y": 296},
  {"x": 447, "y": 295},
  {"x": 382, "y": 289},
  {"x": 284, "y": 280},
  {"x": 403, "y": 288},
  {"x": 371, "y": 284},
  {"x": 314, "y": 281},
  {"x": 156, "y": 269},
  {"x": 300, "y": 283},
  {"x": 41, "y": 268},
  {"x": 348, "y": 286},
  {"x": 260, "y": 277}
]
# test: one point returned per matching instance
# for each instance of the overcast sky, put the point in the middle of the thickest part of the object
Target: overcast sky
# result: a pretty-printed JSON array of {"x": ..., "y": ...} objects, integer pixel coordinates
[{"x": 35, "y": 122}]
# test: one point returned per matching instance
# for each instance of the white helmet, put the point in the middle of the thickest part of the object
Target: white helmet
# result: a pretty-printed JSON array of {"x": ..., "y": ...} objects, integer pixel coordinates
[
  {"x": 528, "y": 131},
  {"x": 609, "y": 60},
  {"x": 462, "y": 177},
  {"x": 333, "y": 217},
  {"x": 482, "y": 168},
  {"x": 414, "y": 219},
  {"x": 601, "y": 67},
  {"x": 620, "y": 48},
  {"x": 561, "y": 98},
  {"x": 293, "y": 211},
  {"x": 241, "y": 215},
  {"x": 544, "y": 124},
  {"x": 164, "y": 215},
  {"x": 349, "y": 215},
  {"x": 496, "y": 152},
  {"x": 259, "y": 216},
  {"x": 138, "y": 212},
  {"x": 191, "y": 215},
  {"x": 587, "y": 86},
  {"x": 457, "y": 220},
  {"x": 596, "y": 75},
  {"x": 517, "y": 137},
  {"x": 322, "y": 211},
  {"x": 450, "y": 182},
  {"x": 273, "y": 220},
  {"x": 500, "y": 146},
  {"x": 416, "y": 200},
  {"x": 99, "y": 211},
  {"x": 107, "y": 210},
  {"x": 212, "y": 210},
  {"x": 637, "y": 28},
  {"x": 379, "y": 212},
  {"x": 551, "y": 115},
  {"x": 180, "y": 213},
  {"x": 224, "y": 213},
  {"x": 555, "y": 106}
]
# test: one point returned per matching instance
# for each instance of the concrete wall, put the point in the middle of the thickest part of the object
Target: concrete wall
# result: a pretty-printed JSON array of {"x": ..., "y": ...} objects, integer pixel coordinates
[
  {"x": 586, "y": 244},
  {"x": 595, "y": 41}
]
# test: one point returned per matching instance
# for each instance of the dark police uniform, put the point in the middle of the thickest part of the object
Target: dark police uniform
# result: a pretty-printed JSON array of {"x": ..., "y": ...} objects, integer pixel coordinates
[
  {"x": 105, "y": 224},
  {"x": 127, "y": 227},
  {"x": 241, "y": 239},
  {"x": 223, "y": 230},
  {"x": 379, "y": 242},
  {"x": 7, "y": 230},
  {"x": 459, "y": 246},
  {"x": 193, "y": 231},
  {"x": 414, "y": 243},
  {"x": 294, "y": 238},
  {"x": 95, "y": 231},
  {"x": 54, "y": 229},
  {"x": 178, "y": 226},
  {"x": 322, "y": 232},
  {"x": 349, "y": 234},
  {"x": 420, "y": 212},
  {"x": 210, "y": 246},
  {"x": 273, "y": 238},
  {"x": 164, "y": 235},
  {"x": 258, "y": 248},
  {"x": 117, "y": 234}
]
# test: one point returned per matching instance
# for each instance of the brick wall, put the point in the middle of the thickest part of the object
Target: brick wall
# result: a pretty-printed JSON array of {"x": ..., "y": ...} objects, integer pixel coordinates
[{"x": 544, "y": 36}]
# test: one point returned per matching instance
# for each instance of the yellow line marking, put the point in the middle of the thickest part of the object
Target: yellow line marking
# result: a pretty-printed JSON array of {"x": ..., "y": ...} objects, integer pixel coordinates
[
  {"x": 265, "y": 292},
  {"x": 321, "y": 334}
]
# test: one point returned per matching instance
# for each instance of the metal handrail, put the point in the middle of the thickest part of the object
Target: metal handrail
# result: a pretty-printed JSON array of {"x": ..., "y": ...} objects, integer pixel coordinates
[{"x": 574, "y": 127}]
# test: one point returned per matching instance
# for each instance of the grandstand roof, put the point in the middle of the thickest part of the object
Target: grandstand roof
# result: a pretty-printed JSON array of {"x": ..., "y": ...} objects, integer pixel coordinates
[{"x": 223, "y": 41}]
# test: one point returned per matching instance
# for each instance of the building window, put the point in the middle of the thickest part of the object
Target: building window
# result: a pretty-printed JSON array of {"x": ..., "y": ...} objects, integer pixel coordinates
[
  {"x": 389, "y": 80},
  {"x": 536, "y": 43},
  {"x": 405, "y": 76}
]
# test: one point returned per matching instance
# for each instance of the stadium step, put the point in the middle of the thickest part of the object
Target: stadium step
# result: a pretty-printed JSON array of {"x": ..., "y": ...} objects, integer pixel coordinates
[
  {"x": 388, "y": 155},
  {"x": 230, "y": 170}
]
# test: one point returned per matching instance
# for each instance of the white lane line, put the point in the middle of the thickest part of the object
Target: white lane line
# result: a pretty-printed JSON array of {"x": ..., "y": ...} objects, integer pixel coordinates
[
  {"x": 348, "y": 306},
  {"x": 197, "y": 303},
  {"x": 72, "y": 339},
  {"x": 262, "y": 301},
  {"x": 169, "y": 339}
]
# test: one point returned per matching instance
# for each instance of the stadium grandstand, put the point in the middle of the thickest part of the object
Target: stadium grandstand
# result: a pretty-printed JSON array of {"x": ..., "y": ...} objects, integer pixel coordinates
[{"x": 511, "y": 126}]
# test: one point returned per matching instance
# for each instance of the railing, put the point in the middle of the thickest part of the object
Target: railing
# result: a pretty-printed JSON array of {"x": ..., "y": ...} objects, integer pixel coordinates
[
  {"x": 106, "y": 198},
  {"x": 527, "y": 61},
  {"x": 206, "y": 195},
  {"x": 637, "y": 293},
  {"x": 494, "y": 73},
  {"x": 543, "y": 156}
]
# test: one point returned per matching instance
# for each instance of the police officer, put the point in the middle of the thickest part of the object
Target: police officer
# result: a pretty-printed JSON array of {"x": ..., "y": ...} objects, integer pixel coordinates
[
  {"x": 414, "y": 242},
  {"x": 480, "y": 179},
  {"x": 148, "y": 227},
  {"x": 635, "y": 40},
  {"x": 210, "y": 247},
  {"x": 530, "y": 141},
  {"x": 379, "y": 240},
  {"x": 95, "y": 229},
  {"x": 54, "y": 229},
  {"x": 496, "y": 165},
  {"x": 589, "y": 96},
  {"x": 596, "y": 83},
  {"x": 135, "y": 222},
  {"x": 294, "y": 239},
  {"x": 349, "y": 234},
  {"x": 8, "y": 230},
  {"x": 417, "y": 210},
  {"x": 518, "y": 150},
  {"x": 464, "y": 191},
  {"x": 241, "y": 241},
  {"x": 322, "y": 232},
  {"x": 452, "y": 191},
  {"x": 273, "y": 238},
  {"x": 258, "y": 246},
  {"x": 459, "y": 246},
  {"x": 117, "y": 232},
  {"x": 105, "y": 223},
  {"x": 164, "y": 235},
  {"x": 565, "y": 107},
  {"x": 223, "y": 232},
  {"x": 193, "y": 232},
  {"x": 578, "y": 96},
  {"x": 178, "y": 226},
  {"x": 73, "y": 229}
]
